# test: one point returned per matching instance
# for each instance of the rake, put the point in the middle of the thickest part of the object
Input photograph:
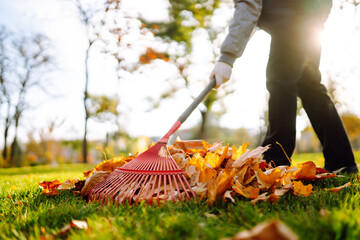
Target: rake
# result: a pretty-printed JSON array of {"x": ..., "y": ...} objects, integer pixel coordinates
[{"x": 153, "y": 176}]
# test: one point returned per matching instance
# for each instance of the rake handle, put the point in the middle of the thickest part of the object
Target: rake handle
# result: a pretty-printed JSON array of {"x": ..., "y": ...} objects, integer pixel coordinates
[
  {"x": 197, "y": 101},
  {"x": 188, "y": 111}
]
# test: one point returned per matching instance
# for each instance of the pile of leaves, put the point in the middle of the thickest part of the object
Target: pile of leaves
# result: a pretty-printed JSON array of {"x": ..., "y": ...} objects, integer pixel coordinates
[{"x": 216, "y": 171}]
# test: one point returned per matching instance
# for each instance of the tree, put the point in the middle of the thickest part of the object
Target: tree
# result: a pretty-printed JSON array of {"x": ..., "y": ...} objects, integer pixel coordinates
[
  {"x": 88, "y": 18},
  {"x": 188, "y": 18},
  {"x": 28, "y": 62},
  {"x": 4, "y": 84},
  {"x": 108, "y": 24}
]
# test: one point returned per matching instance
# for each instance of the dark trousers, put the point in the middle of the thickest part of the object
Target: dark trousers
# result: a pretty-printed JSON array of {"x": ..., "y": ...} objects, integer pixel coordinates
[{"x": 292, "y": 72}]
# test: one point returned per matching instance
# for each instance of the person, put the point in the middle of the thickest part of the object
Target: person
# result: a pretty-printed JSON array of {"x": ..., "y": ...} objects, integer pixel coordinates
[{"x": 292, "y": 72}]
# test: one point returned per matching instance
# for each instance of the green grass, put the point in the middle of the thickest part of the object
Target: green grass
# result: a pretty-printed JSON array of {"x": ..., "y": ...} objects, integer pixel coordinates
[{"x": 26, "y": 214}]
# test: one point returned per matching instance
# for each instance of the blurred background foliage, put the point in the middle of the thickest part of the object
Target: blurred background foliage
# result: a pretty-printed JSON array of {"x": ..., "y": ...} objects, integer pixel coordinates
[{"x": 26, "y": 61}]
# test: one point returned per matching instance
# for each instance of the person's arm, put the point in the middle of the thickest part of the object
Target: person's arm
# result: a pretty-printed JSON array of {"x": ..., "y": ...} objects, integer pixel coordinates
[{"x": 246, "y": 15}]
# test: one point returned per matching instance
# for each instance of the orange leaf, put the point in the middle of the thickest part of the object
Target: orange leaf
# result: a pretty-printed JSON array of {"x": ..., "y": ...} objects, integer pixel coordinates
[
  {"x": 225, "y": 180},
  {"x": 248, "y": 192},
  {"x": 307, "y": 171},
  {"x": 190, "y": 144},
  {"x": 50, "y": 187},
  {"x": 302, "y": 190},
  {"x": 207, "y": 173},
  {"x": 268, "y": 178},
  {"x": 337, "y": 189}
]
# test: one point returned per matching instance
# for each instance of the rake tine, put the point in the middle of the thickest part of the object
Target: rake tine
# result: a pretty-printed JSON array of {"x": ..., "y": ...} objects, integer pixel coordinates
[
  {"x": 177, "y": 187},
  {"x": 132, "y": 195},
  {"x": 152, "y": 190},
  {"x": 171, "y": 190},
  {"x": 182, "y": 184},
  {"x": 125, "y": 189},
  {"x": 141, "y": 189},
  {"x": 159, "y": 189},
  {"x": 147, "y": 188}
]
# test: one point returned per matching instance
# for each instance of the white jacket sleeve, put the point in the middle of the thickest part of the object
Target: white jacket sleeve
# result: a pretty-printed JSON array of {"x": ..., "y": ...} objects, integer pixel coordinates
[{"x": 246, "y": 15}]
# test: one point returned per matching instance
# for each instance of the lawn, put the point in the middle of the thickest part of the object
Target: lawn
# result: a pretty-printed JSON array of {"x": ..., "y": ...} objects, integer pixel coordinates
[{"x": 27, "y": 214}]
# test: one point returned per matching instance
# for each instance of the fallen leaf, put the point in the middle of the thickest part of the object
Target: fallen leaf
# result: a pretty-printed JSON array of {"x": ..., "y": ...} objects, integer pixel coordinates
[
  {"x": 50, "y": 187},
  {"x": 302, "y": 190},
  {"x": 227, "y": 194},
  {"x": 273, "y": 230},
  {"x": 248, "y": 155},
  {"x": 224, "y": 180},
  {"x": 73, "y": 224},
  {"x": 68, "y": 184},
  {"x": 337, "y": 189},
  {"x": 268, "y": 178},
  {"x": 307, "y": 171},
  {"x": 92, "y": 181},
  {"x": 248, "y": 192}
]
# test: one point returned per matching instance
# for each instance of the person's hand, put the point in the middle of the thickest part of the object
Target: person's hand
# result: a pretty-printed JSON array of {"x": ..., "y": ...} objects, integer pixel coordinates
[{"x": 221, "y": 72}]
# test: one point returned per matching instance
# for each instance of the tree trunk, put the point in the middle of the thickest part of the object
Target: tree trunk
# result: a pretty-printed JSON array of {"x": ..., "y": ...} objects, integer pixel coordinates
[
  {"x": 203, "y": 125},
  {"x": 86, "y": 96},
  {"x": 6, "y": 132},
  {"x": 15, "y": 153},
  {"x": 5, "y": 152}
]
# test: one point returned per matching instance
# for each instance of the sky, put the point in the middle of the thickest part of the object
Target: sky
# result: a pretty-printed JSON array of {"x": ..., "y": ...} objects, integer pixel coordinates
[{"x": 57, "y": 19}]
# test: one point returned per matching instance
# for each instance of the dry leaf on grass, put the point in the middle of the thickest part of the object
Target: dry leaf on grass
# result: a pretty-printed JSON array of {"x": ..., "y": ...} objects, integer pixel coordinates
[
  {"x": 337, "y": 189},
  {"x": 215, "y": 171},
  {"x": 68, "y": 184},
  {"x": 50, "y": 187},
  {"x": 273, "y": 230},
  {"x": 73, "y": 224},
  {"x": 302, "y": 190}
]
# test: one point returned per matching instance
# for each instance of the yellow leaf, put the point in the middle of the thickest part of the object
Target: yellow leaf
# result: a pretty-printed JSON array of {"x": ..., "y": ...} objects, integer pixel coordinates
[
  {"x": 13, "y": 187},
  {"x": 240, "y": 151},
  {"x": 198, "y": 162},
  {"x": 213, "y": 159}
]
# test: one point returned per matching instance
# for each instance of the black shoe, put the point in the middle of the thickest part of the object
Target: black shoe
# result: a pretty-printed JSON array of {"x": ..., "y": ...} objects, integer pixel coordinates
[{"x": 349, "y": 169}]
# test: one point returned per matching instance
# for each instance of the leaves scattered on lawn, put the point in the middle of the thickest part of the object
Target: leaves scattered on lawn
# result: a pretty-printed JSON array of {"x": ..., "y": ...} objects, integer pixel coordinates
[{"x": 217, "y": 172}]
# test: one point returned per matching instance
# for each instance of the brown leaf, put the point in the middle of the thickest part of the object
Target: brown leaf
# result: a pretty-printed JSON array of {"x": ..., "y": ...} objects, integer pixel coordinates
[
  {"x": 96, "y": 178},
  {"x": 273, "y": 230}
]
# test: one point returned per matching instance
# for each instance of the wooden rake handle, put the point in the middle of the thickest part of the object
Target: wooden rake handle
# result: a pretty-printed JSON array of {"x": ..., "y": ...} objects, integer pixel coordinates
[{"x": 188, "y": 111}]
